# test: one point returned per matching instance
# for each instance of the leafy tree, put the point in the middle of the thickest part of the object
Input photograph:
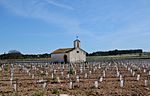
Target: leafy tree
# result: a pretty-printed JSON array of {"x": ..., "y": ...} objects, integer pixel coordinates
[{"x": 115, "y": 52}]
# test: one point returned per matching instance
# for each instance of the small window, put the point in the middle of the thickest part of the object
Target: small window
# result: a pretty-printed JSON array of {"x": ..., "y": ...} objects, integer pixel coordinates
[{"x": 77, "y": 51}]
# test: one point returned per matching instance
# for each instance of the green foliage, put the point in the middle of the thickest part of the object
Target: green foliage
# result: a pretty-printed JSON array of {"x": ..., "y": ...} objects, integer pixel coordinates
[
  {"x": 14, "y": 54},
  {"x": 71, "y": 71},
  {"x": 55, "y": 91},
  {"x": 115, "y": 52},
  {"x": 105, "y": 58},
  {"x": 38, "y": 94},
  {"x": 54, "y": 80},
  {"x": 6, "y": 67}
]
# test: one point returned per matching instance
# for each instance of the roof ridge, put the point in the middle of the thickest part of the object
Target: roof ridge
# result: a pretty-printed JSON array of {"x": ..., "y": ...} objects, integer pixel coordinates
[{"x": 62, "y": 50}]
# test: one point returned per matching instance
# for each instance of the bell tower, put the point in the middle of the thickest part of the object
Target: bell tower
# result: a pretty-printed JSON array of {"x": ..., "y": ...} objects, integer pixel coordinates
[{"x": 77, "y": 43}]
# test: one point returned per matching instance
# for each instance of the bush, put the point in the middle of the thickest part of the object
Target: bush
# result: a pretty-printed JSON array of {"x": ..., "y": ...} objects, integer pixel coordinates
[
  {"x": 71, "y": 71},
  {"x": 55, "y": 91},
  {"x": 6, "y": 67},
  {"x": 38, "y": 94}
]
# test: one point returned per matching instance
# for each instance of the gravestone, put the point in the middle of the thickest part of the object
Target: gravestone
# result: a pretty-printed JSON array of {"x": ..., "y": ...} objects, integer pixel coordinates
[
  {"x": 121, "y": 83},
  {"x": 96, "y": 84},
  {"x": 138, "y": 77}
]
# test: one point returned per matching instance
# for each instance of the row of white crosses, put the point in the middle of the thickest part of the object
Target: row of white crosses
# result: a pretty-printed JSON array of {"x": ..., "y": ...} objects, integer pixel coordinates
[
  {"x": 107, "y": 65},
  {"x": 12, "y": 78},
  {"x": 120, "y": 76},
  {"x": 11, "y": 73},
  {"x": 81, "y": 70},
  {"x": 41, "y": 71},
  {"x": 138, "y": 75},
  {"x": 137, "y": 65},
  {"x": 96, "y": 83},
  {"x": 34, "y": 68},
  {"x": 2, "y": 69}
]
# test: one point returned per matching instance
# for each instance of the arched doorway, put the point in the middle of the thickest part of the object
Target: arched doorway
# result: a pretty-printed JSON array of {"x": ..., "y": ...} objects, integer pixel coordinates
[{"x": 65, "y": 59}]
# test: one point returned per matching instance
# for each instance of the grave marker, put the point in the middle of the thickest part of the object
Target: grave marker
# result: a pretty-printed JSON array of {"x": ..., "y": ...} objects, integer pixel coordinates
[
  {"x": 52, "y": 76},
  {"x": 77, "y": 77},
  {"x": 85, "y": 75},
  {"x": 44, "y": 85},
  {"x": 62, "y": 74},
  {"x": 144, "y": 70},
  {"x": 138, "y": 77},
  {"x": 146, "y": 83},
  {"x": 133, "y": 73},
  {"x": 101, "y": 79},
  {"x": 70, "y": 85},
  {"x": 58, "y": 80},
  {"x": 104, "y": 73},
  {"x": 121, "y": 83},
  {"x": 96, "y": 84},
  {"x": 32, "y": 76}
]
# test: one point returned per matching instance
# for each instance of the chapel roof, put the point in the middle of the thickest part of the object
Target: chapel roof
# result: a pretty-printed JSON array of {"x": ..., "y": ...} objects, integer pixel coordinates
[{"x": 62, "y": 50}]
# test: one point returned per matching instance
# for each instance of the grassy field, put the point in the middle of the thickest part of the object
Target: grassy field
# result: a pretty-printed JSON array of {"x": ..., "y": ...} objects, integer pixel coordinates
[{"x": 128, "y": 56}]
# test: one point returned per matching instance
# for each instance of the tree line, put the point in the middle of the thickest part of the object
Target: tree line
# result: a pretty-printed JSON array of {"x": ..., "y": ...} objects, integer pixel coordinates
[
  {"x": 14, "y": 54},
  {"x": 115, "y": 52}
]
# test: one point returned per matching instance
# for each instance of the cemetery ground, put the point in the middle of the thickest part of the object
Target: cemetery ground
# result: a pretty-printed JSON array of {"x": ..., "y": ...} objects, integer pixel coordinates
[{"x": 115, "y": 77}]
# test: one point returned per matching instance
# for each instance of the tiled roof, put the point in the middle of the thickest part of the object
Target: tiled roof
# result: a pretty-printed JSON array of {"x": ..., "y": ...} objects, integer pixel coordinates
[{"x": 62, "y": 50}]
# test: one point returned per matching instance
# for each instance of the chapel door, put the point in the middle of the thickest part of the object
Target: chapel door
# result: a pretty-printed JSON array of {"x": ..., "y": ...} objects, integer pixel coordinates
[{"x": 65, "y": 59}]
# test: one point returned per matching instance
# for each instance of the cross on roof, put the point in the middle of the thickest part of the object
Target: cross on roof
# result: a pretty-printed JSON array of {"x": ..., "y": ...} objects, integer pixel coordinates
[{"x": 77, "y": 37}]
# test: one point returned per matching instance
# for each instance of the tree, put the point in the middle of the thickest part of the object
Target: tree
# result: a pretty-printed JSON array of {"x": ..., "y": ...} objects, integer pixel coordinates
[{"x": 13, "y": 54}]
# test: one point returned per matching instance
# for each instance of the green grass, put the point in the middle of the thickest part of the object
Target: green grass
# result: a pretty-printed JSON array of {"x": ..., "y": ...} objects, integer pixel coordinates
[
  {"x": 102, "y": 58},
  {"x": 38, "y": 93},
  {"x": 55, "y": 91}
]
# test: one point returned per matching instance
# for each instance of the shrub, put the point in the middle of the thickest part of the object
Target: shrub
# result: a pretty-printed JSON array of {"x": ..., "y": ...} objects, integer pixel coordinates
[
  {"x": 71, "y": 71},
  {"x": 55, "y": 91},
  {"x": 38, "y": 94}
]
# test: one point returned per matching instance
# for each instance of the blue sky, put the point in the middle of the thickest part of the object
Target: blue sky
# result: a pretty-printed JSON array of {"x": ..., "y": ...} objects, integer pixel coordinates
[{"x": 41, "y": 26}]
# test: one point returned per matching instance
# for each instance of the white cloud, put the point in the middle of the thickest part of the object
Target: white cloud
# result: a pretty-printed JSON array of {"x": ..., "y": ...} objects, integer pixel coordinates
[
  {"x": 59, "y": 5},
  {"x": 39, "y": 9}
]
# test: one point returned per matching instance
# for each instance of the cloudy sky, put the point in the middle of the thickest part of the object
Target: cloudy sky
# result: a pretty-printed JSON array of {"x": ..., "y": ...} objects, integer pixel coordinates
[{"x": 41, "y": 26}]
